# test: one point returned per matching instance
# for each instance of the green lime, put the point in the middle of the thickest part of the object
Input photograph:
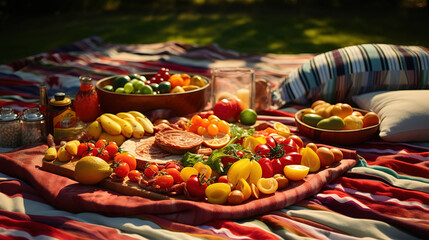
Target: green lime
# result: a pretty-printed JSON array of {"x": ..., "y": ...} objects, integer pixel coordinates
[
  {"x": 311, "y": 119},
  {"x": 137, "y": 84},
  {"x": 248, "y": 117},
  {"x": 143, "y": 78},
  {"x": 154, "y": 86},
  {"x": 120, "y": 81},
  {"x": 146, "y": 89},
  {"x": 129, "y": 88},
  {"x": 164, "y": 87},
  {"x": 108, "y": 88},
  {"x": 134, "y": 76},
  {"x": 120, "y": 90}
]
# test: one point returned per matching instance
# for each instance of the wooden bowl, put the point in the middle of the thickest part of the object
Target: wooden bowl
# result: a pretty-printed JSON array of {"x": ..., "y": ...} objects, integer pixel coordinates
[
  {"x": 180, "y": 104},
  {"x": 340, "y": 137}
]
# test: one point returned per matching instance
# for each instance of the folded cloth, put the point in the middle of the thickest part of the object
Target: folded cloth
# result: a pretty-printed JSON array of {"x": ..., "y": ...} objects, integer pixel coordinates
[{"x": 67, "y": 194}]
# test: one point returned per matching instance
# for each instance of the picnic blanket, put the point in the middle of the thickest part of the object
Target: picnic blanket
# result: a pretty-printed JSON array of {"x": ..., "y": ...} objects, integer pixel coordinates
[{"x": 381, "y": 193}]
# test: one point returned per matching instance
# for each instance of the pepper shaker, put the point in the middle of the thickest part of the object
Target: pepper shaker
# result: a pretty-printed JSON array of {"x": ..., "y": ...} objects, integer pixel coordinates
[
  {"x": 33, "y": 126},
  {"x": 10, "y": 128}
]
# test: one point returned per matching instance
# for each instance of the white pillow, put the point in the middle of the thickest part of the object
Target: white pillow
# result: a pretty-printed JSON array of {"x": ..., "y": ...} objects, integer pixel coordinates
[{"x": 404, "y": 114}]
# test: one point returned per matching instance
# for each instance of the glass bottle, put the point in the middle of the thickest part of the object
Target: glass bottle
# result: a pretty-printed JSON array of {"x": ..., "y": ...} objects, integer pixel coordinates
[
  {"x": 86, "y": 102},
  {"x": 43, "y": 98},
  {"x": 10, "y": 128},
  {"x": 33, "y": 126}
]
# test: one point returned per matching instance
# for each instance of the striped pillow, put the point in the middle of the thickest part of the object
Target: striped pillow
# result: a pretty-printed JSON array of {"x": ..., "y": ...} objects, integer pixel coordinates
[{"x": 338, "y": 75}]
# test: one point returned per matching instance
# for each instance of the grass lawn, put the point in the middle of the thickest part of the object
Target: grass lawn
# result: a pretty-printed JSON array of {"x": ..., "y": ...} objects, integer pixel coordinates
[{"x": 287, "y": 32}]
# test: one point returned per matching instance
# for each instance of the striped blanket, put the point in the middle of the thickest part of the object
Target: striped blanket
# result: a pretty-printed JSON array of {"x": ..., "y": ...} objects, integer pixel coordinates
[{"x": 382, "y": 194}]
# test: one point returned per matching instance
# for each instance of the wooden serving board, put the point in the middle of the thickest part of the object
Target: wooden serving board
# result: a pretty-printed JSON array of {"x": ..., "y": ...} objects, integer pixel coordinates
[{"x": 125, "y": 187}]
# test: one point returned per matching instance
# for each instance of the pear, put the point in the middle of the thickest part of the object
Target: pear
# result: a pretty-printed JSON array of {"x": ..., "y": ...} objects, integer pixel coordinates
[
  {"x": 91, "y": 170},
  {"x": 331, "y": 123}
]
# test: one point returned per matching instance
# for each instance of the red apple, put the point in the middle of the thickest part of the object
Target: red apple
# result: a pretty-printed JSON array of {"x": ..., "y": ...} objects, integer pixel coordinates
[{"x": 228, "y": 109}]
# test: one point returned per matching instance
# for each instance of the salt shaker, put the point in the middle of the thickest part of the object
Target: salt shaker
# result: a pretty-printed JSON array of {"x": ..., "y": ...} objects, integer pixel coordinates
[
  {"x": 33, "y": 126},
  {"x": 10, "y": 128}
]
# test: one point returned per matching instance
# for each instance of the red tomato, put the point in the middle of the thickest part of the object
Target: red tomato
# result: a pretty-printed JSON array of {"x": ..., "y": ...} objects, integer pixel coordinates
[
  {"x": 101, "y": 143},
  {"x": 262, "y": 150},
  {"x": 289, "y": 145},
  {"x": 240, "y": 154},
  {"x": 277, "y": 166},
  {"x": 267, "y": 167},
  {"x": 134, "y": 175},
  {"x": 223, "y": 179},
  {"x": 151, "y": 170},
  {"x": 112, "y": 148},
  {"x": 128, "y": 158},
  {"x": 292, "y": 158},
  {"x": 102, "y": 153},
  {"x": 175, "y": 173},
  {"x": 122, "y": 169},
  {"x": 297, "y": 140},
  {"x": 228, "y": 109},
  {"x": 196, "y": 186},
  {"x": 83, "y": 149},
  {"x": 270, "y": 141},
  {"x": 165, "y": 181},
  {"x": 173, "y": 165}
]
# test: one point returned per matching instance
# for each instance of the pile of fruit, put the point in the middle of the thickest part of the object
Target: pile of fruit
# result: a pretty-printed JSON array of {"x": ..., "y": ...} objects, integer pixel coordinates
[
  {"x": 163, "y": 82},
  {"x": 120, "y": 126},
  {"x": 340, "y": 116}
]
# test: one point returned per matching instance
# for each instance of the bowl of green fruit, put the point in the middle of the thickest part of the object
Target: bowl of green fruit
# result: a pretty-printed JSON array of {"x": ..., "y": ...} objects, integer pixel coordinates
[{"x": 181, "y": 93}]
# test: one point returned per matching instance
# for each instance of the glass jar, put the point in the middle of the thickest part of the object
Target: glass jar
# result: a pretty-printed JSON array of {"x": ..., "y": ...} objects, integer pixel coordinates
[
  {"x": 10, "y": 128},
  {"x": 61, "y": 120},
  {"x": 33, "y": 126},
  {"x": 86, "y": 102}
]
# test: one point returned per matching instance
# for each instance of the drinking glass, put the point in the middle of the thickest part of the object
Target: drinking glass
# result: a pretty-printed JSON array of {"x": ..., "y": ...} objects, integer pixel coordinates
[{"x": 233, "y": 81}]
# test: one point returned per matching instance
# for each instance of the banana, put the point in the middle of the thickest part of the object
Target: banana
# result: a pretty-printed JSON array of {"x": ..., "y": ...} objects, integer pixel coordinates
[
  {"x": 71, "y": 147},
  {"x": 94, "y": 130},
  {"x": 126, "y": 128},
  {"x": 63, "y": 155},
  {"x": 146, "y": 123},
  {"x": 239, "y": 169},
  {"x": 51, "y": 153},
  {"x": 138, "y": 130},
  {"x": 125, "y": 115},
  {"x": 110, "y": 126},
  {"x": 137, "y": 114},
  {"x": 255, "y": 172}
]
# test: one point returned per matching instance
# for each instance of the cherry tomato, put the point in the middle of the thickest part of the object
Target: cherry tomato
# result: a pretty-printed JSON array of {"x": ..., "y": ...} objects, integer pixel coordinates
[
  {"x": 102, "y": 153},
  {"x": 151, "y": 170},
  {"x": 128, "y": 158},
  {"x": 270, "y": 141},
  {"x": 172, "y": 164},
  {"x": 223, "y": 179},
  {"x": 165, "y": 180},
  {"x": 122, "y": 169},
  {"x": 83, "y": 149},
  {"x": 240, "y": 154},
  {"x": 297, "y": 140},
  {"x": 134, "y": 175},
  {"x": 292, "y": 158},
  {"x": 289, "y": 145},
  {"x": 101, "y": 143},
  {"x": 262, "y": 150},
  {"x": 196, "y": 186},
  {"x": 175, "y": 173},
  {"x": 93, "y": 152},
  {"x": 277, "y": 166},
  {"x": 112, "y": 149},
  {"x": 267, "y": 167}
]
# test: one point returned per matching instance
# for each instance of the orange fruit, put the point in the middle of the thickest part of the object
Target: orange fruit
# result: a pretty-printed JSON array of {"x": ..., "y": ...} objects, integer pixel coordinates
[
  {"x": 338, "y": 155},
  {"x": 342, "y": 110},
  {"x": 215, "y": 142},
  {"x": 307, "y": 111},
  {"x": 352, "y": 122},
  {"x": 267, "y": 185},
  {"x": 370, "y": 118},
  {"x": 310, "y": 159},
  {"x": 295, "y": 172},
  {"x": 318, "y": 102},
  {"x": 322, "y": 110},
  {"x": 313, "y": 146},
  {"x": 357, "y": 114},
  {"x": 282, "y": 129},
  {"x": 326, "y": 156}
]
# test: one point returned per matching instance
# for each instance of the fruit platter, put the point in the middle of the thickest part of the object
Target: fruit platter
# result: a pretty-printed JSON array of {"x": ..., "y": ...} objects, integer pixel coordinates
[
  {"x": 337, "y": 123},
  {"x": 181, "y": 93},
  {"x": 225, "y": 159}
]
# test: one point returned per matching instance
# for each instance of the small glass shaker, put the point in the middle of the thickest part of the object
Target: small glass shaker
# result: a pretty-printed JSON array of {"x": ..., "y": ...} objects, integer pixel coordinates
[
  {"x": 33, "y": 126},
  {"x": 10, "y": 128}
]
